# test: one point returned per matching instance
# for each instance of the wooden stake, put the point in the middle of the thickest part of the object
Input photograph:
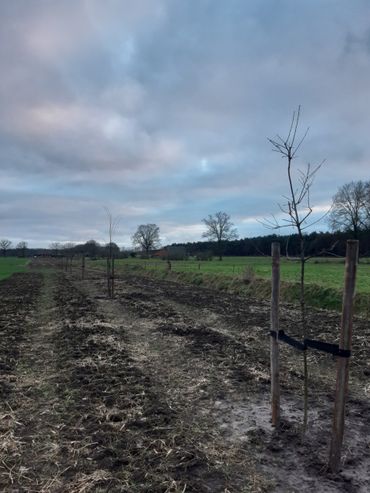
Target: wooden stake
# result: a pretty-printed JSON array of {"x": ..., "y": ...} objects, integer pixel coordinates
[
  {"x": 112, "y": 283},
  {"x": 275, "y": 295},
  {"x": 108, "y": 277},
  {"x": 83, "y": 267},
  {"x": 343, "y": 363}
]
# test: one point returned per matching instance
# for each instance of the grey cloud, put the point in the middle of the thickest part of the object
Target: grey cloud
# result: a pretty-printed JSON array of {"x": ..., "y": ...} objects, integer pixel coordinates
[{"x": 161, "y": 109}]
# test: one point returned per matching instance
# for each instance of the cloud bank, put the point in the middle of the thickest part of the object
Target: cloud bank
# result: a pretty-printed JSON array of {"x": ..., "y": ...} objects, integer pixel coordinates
[{"x": 161, "y": 109}]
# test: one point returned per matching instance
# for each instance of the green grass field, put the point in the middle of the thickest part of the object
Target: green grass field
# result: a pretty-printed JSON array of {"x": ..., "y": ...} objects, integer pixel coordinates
[
  {"x": 9, "y": 265},
  {"x": 328, "y": 273}
]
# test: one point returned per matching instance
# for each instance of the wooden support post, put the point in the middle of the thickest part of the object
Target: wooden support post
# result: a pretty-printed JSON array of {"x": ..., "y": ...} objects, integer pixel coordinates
[
  {"x": 108, "y": 277},
  {"x": 275, "y": 295},
  {"x": 112, "y": 282},
  {"x": 83, "y": 267},
  {"x": 343, "y": 362}
]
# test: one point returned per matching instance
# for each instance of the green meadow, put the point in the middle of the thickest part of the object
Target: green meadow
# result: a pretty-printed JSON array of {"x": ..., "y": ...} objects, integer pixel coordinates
[
  {"x": 324, "y": 272},
  {"x": 9, "y": 265}
]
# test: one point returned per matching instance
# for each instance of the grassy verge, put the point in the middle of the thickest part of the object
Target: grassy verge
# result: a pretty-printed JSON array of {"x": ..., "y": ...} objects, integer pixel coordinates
[
  {"x": 9, "y": 265},
  {"x": 323, "y": 272},
  {"x": 317, "y": 295}
]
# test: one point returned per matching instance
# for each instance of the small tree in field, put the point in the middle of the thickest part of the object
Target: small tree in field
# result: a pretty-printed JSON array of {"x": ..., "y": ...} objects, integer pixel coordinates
[
  {"x": 297, "y": 210},
  {"x": 112, "y": 229},
  {"x": 22, "y": 248},
  {"x": 147, "y": 237},
  {"x": 55, "y": 247},
  {"x": 5, "y": 245},
  {"x": 219, "y": 229}
]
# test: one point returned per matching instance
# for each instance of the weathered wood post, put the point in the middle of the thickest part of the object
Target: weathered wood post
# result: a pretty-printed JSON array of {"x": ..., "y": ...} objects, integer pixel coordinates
[
  {"x": 83, "y": 267},
  {"x": 275, "y": 296},
  {"x": 345, "y": 345},
  {"x": 108, "y": 277},
  {"x": 112, "y": 281}
]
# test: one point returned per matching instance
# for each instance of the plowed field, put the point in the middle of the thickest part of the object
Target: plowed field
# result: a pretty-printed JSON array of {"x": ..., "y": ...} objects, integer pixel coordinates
[{"x": 165, "y": 389}]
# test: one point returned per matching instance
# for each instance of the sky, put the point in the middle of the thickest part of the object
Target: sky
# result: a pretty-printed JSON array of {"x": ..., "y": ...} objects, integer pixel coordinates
[{"x": 160, "y": 110}]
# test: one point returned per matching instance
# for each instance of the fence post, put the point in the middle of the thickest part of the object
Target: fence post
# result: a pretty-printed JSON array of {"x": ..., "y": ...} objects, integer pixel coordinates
[
  {"x": 108, "y": 277},
  {"x": 345, "y": 343},
  {"x": 83, "y": 267},
  {"x": 112, "y": 282},
  {"x": 275, "y": 295}
]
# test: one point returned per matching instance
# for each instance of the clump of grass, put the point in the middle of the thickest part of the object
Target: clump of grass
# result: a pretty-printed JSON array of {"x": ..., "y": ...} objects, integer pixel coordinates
[{"x": 249, "y": 275}]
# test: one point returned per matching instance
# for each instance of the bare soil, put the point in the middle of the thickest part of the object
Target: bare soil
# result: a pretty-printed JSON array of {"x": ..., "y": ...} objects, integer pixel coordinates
[{"x": 165, "y": 389}]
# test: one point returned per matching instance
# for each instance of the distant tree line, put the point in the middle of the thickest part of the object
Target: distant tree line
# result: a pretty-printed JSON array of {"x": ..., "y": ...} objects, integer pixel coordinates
[
  {"x": 90, "y": 248},
  {"x": 317, "y": 244}
]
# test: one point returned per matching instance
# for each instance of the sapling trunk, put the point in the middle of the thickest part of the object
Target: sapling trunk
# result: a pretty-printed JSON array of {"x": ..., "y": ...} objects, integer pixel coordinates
[{"x": 304, "y": 333}]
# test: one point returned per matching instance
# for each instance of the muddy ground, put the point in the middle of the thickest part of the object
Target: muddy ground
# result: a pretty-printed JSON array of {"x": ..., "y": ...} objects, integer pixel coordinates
[{"x": 165, "y": 389}]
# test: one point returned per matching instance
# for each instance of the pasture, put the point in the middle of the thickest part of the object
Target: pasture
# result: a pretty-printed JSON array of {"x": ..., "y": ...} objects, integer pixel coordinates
[
  {"x": 9, "y": 265},
  {"x": 324, "y": 272}
]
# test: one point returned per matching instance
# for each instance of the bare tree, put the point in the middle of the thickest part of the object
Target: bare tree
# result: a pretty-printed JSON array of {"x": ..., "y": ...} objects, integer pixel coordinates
[
  {"x": 367, "y": 204},
  {"x": 351, "y": 208},
  {"x": 147, "y": 237},
  {"x": 68, "y": 248},
  {"x": 112, "y": 229},
  {"x": 22, "y": 248},
  {"x": 55, "y": 247},
  {"x": 297, "y": 210},
  {"x": 5, "y": 245},
  {"x": 219, "y": 229}
]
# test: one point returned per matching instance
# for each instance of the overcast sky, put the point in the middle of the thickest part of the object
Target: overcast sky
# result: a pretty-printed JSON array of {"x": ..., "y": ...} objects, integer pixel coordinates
[{"x": 160, "y": 110}]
